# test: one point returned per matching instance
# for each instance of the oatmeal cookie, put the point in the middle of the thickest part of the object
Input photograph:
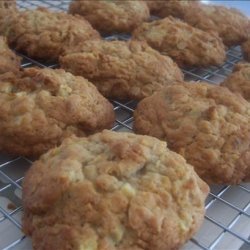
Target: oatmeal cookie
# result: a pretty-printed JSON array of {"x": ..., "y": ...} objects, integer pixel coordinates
[
  {"x": 41, "y": 107},
  {"x": 9, "y": 61},
  {"x": 7, "y": 3},
  {"x": 112, "y": 16},
  {"x": 122, "y": 70},
  {"x": 115, "y": 191},
  {"x": 231, "y": 25},
  {"x": 246, "y": 50},
  {"x": 43, "y": 34},
  {"x": 175, "y": 8},
  {"x": 239, "y": 80},
  {"x": 207, "y": 124},
  {"x": 187, "y": 46}
]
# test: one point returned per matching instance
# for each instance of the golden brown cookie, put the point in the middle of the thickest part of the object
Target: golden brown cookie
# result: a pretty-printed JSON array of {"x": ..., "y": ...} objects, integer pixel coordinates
[
  {"x": 121, "y": 70},
  {"x": 239, "y": 80},
  {"x": 246, "y": 50},
  {"x": 9, "y": 61},
  {"x": 112, "y": 16},
  {"x": 43, "y": 34},
  {"x": 232, "y": 26},
  {"x": 207, "y": 124},
  {"x": 115, "y": 191},
  {"x": 41, "y": 107},
  {"x": 7, "y": 3},
  {"x": 175, "y": 8},
  {"x": 187, "y": 46}
]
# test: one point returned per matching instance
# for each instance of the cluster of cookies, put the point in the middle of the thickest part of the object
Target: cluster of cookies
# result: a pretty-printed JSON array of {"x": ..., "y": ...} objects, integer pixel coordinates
[{"x": 94, "y": 189}]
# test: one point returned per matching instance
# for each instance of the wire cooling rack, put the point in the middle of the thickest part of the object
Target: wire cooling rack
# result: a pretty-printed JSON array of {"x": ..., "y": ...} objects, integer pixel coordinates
[{"x": 227, "y": 220}]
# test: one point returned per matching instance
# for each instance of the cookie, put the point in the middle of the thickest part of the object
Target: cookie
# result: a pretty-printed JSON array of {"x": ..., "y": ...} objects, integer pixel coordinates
[
  {"x": 187, "y": 46},
  {"x": 175, "y": 8},
  {"x": 112, "y": 16},
  {"x": 231, "y": 25},
  {"x": 207, "y": 124},
  {"x": 112, "y": 191},
  {"x": 246, "y": 50},
  {"x": 239, "y": 80},
  {"x": 42, "y": 34},
  {"x": 41, "y": 107},
  {"x": 9, "y": 61},
  {"x": 7, "y": 3},
  {"x": 121, "y": 70}
]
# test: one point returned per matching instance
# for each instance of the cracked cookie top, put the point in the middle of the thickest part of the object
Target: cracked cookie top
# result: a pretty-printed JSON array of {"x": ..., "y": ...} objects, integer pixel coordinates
[
  {"x": 112, "y": 191},
  {"x": 43, "y": 34},
  {"x": 40, "y": 107},
  {"x": 207, "y": 124},
  {"x": 231, "y": 25},
  {"x": 188, "y": 46},
  {"x": 110, "y": 16},
  {"x": 122, "y": 70}
]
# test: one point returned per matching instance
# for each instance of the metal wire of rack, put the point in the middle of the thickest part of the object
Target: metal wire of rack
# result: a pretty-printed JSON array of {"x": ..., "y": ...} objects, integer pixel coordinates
[{"x": 227, "y": 220}]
